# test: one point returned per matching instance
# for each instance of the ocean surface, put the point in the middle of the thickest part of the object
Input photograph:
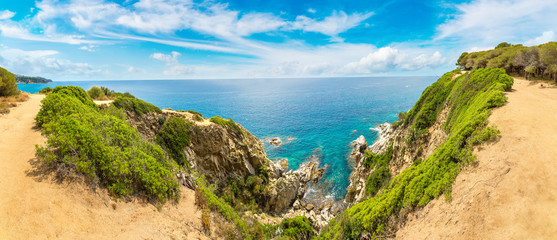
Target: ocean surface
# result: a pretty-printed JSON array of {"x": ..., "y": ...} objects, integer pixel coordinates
[{"x": 316, "y": 118}]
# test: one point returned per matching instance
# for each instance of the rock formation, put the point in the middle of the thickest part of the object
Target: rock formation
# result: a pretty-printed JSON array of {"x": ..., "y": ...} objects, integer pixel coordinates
[{"x": 403, "y": 154}]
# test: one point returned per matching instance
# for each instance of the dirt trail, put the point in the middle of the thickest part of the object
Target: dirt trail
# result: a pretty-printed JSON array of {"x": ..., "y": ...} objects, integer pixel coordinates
[
  {"x": 33, "y": 206},
  {"x": 512, "y": 191}
]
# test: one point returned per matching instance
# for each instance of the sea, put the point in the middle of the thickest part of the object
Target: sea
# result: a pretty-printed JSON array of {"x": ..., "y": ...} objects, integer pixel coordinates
[{"x": 315, "y": 118}]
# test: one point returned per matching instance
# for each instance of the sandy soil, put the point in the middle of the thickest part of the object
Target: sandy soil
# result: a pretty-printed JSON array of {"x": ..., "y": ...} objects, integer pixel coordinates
[
  {"x": 33, "y": 206},
  {"x": 102, "y": 102},
  {"x": 511, "y": 193}
]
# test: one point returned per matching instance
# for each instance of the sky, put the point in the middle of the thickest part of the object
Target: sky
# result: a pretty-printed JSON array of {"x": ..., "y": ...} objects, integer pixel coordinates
[{"x": 191, "y": 39}]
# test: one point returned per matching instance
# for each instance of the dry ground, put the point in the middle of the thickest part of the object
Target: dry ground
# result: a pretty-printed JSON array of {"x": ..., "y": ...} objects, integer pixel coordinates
[
  {"x": 33, "y": 206},
  {"x": 511, "y": 192}
]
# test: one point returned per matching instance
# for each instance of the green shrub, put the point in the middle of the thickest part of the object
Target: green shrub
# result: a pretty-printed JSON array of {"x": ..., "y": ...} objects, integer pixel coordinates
[
  {"x": 174, "y": 137},
  {"x": 377, "y": 179},
  {"x": 227, "y": 123},
  {"x": 219, "y": 205},
  {"x": 114, "y": 111},
  {"x": 63, "y": 103},
  {"x": 105, "y": 149},
  {"x": 45, "y": 90},
  {"x": 8, "y": 86},
  {"x": 470, "y": 99},
  {"x": 486, "y": 135},
  {"x": 96, "y": 93},
  {"x": 297, "y": 228},
  {"x": 135, "y": 105},
  {"x": 195, "y": 113}
]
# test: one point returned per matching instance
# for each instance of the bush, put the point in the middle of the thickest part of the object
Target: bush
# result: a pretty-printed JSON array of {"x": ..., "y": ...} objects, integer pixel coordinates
[
  {"x": 104, "y": 149},
  {"x": 114, "y": 111},
  {"x": 8, "y": 86},
  {"x": 377, "y": 179},
  {"x": 297, "y": 228},
  {"x": 96, "y": 93},
  {"x": 138, "y": 106},
  {"x": 174, "y": 137},
  {"x": 226, "y": 123},
  {"x": 45, "y": 90}
]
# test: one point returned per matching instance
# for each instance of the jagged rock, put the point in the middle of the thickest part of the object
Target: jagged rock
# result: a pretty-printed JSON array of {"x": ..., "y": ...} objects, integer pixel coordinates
[
  {"x": 386, "y": 137},
  {"x": 356, "y": 190},
  {"x": 277, "y": 168},
  {"x": 185, "y": 180},
  {"x": 309, "y": 207},
  {"x": 217, "y": 152},
  {"x": 358, "y": 177},
  {"x": 360, "y": 144},
  {"x": 285, "y": 190}
]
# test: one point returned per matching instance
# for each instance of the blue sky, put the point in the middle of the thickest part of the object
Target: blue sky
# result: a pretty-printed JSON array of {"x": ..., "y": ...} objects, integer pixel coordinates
[{"x": 191, "y": 39}]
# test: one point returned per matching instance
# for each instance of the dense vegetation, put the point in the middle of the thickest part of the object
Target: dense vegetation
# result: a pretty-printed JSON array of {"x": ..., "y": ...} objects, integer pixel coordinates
[
  {"x": 226, "y": 123},
  {"x": 8, "y": 86},
  {"x": 27, "y": 79},
  {"x": 471, "y": 98},
  {"x": 381, "y": 174},
  {"x": 104, "y": 149},
  {"x": 103, "y": 93},
  {"x": 297, "y": 228},
  {"x": 536, "y": 61},
  {"x": 174, "y": 137},
  {"x": 135, "y": 105}
]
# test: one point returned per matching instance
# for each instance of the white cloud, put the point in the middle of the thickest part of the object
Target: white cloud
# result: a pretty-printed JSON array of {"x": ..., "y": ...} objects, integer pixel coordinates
[
  {"x": 311, "y": 10},
  {"x": 547, "y": 36},
  {"x": 6, "y": 14},
  {"x": 89, "y": 48},
  {"x": 44, "y": 63},
  {"x": 388, "y": 59},
  {"x": 494, "y": 21},
  {"x": 173, "y": 68},
  {"x": 333, "y": 25},
  {"x": 13, "y": 31}
]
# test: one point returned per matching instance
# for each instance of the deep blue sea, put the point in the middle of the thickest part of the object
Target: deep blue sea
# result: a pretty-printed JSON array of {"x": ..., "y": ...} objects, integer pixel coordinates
[{"x": 312, "y": 116}]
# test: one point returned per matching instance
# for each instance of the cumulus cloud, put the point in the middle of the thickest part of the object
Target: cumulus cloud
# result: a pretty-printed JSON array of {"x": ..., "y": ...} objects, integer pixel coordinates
[
  {"x": 388, "y": 59},
  {"x": 547, "y": 36},
  {"x": 44, "y": 63},
  {"x": 173, "y": 67}
]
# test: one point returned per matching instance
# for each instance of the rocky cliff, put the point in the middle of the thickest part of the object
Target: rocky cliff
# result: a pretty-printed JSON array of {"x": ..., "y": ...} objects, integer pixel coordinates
[
  {"x": 404, "y": 153},
  {"x": 221, "y": 153}
]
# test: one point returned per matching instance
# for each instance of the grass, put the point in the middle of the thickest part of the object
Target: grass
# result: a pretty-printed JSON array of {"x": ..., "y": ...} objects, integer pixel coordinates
[
  {"x": 471, "y": 98},
  {"x": 226, "y": 123},
  {"x": 102, "y": 148},
  {"x": 8, "y": 102}
]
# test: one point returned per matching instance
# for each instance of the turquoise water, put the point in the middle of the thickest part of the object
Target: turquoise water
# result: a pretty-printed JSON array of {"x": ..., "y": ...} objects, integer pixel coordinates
[{"x": 318, "y": 116}]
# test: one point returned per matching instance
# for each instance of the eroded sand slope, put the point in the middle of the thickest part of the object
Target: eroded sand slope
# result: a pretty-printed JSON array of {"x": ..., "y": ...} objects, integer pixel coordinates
[
  {"x": 512, "y": 191},
  {"x": 33, "y": 206}
]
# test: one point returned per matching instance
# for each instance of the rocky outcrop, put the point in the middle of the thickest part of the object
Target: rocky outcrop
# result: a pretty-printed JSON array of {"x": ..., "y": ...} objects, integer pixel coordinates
[
  {"x": 356, "y": 190},
  {"x": 404, "y": 154},
  {"x": 221, "y": 153},
  {"x": 292, "y": 186},
  {"x": 216, "y": 151}
]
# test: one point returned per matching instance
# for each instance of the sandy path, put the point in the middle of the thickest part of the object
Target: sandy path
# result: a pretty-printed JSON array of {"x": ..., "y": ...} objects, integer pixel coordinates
[
  {"x": 32, "y": 206},
  {"x": 512, "y": 191}
]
